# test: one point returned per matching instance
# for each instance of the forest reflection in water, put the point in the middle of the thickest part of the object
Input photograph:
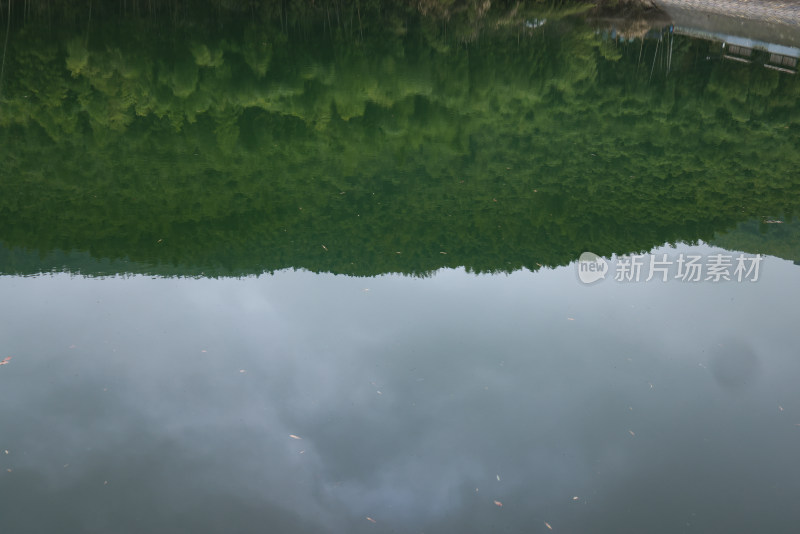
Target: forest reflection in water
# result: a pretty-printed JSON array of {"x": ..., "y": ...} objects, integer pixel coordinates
[
  {"x": 201, "y": 366},
  {"x": 245, "y": 148}
]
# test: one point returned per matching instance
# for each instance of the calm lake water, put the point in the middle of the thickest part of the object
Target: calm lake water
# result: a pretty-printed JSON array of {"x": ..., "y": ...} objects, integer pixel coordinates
[{"x": 324, "y": 276}]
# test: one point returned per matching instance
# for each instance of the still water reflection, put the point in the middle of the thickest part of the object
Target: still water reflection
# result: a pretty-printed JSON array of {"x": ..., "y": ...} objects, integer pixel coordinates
[
  {"x": 282, "y": 278},
  {"x": 169, "y": 405}
]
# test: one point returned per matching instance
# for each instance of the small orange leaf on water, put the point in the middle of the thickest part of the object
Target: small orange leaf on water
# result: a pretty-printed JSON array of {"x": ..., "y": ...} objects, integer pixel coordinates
[
  {"x": 498, "y": 503},
  {"x": 5, "y": 360},
  {"x": 371, "y": 520}
]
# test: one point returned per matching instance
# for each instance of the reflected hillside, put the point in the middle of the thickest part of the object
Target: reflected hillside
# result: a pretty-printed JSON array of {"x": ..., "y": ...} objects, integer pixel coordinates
[
  {"x": 396, "y": 144},
  {"x": 774, "y": 238}
]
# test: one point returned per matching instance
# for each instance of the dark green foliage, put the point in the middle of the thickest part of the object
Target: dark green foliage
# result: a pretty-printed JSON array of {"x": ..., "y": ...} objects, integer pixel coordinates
[{"x": 255, "y": 146}]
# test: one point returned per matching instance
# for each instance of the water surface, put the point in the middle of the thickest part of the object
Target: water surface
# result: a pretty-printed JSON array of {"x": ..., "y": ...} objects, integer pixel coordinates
[{"x": 286, "y": 277}]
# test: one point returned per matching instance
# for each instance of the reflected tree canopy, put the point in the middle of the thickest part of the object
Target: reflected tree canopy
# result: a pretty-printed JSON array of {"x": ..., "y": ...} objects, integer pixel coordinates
[{"x": 247, "y": 141}]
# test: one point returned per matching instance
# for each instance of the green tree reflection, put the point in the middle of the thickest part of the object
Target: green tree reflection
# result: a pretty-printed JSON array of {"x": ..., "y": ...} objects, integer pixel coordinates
[{"x": 402, "y": 145}]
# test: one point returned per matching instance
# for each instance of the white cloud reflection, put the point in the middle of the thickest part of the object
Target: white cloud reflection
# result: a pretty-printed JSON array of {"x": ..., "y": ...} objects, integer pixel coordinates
[{"x": 182, "y": 395}]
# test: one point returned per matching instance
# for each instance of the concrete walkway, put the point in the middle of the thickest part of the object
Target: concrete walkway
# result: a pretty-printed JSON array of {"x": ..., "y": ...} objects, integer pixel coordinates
[{"x": 776, "y": 11}]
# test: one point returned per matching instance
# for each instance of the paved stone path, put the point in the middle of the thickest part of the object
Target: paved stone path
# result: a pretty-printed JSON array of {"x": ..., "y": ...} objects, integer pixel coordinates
[{"x": 778, "y": 11}]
